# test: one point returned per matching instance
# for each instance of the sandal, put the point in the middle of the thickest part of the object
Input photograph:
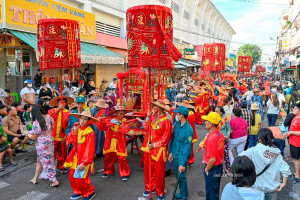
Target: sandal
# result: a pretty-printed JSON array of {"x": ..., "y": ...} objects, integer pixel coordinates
[
  {"x": 296, "y": 180},
  {"x": 51, "y": 185},
  {"x": 34, "y": 183},
  {"x": 1, "y": 168},
  {"x": 14, "y": 163}
]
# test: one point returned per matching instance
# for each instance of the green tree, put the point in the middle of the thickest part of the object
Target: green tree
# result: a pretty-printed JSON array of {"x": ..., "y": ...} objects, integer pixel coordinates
[{"x": 250, "y": 50}]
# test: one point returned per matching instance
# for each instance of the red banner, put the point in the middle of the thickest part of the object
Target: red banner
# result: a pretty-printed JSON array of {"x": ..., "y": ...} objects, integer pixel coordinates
[
  {"x": 150, "y": 36},
  {"x": 244, "y": 63},
  {"x": 58, "y": 43},
  {"x": 213, "y": 57}
]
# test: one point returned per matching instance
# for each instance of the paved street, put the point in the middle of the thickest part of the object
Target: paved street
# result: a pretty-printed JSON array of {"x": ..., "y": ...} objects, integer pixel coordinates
[{"x": 15, "y": 184}]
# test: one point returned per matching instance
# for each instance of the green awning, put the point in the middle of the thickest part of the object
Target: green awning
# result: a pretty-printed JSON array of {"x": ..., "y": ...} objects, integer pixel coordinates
[
  {"x": 90, "y": 53},
  {"x": 29, "y": 38}
]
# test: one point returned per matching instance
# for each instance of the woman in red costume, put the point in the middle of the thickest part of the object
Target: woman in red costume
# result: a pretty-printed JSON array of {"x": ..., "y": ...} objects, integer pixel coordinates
[
  {"x": 160, "y": 127},
  {"x": 115, "y": 143},
  {"x": 81, "y": 158}
]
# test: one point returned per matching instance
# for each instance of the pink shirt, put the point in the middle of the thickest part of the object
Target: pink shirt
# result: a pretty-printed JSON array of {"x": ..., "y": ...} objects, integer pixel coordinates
[{"x": 238, "y": 127}]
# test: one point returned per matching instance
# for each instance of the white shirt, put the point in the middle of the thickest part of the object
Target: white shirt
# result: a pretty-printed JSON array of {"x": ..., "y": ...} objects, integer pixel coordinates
[
  {"x": 112, "y": 85},
  {"x": 248, "y": 95},
  {"x": 26, "y": 90},
  {"x": 281, "y": 99}
]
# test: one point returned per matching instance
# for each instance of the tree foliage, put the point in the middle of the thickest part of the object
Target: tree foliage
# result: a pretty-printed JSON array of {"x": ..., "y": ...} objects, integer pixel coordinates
[{"x": 252, "y": 50}]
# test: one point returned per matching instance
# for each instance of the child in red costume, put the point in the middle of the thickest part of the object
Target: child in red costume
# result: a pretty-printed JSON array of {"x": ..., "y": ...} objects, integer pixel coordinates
[
  {"x": 201, "y": 103},
  {"x": 61, "y": 117},
  {"x": 161, "y": 133},
  {"x": 115, "y": 143},
  {"x": 81, "y": 158}
]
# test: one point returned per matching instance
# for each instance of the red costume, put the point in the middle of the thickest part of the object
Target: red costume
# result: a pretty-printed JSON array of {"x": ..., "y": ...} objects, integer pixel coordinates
[
  {"x": 161, "y": 134},
  {"x": 220, "y": 99},
  {"x": 83, "y": 152},
  {"x": 192, "y": 122},
  {"x": 59, "y": 133},
  {"x": 243, "y": 89},
  {"x": 115, "y": 146},
  {"x": 201, "y": 106}
]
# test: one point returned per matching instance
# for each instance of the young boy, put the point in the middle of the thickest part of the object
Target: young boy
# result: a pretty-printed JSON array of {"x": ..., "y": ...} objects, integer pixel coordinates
[
  {"x": 5, "y": 148},
  {"x": 27, "y": 114},
  {"x": 81, "y": 158}
]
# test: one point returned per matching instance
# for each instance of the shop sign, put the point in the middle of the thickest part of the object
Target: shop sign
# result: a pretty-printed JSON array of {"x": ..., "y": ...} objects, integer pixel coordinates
[
  {"x": 284, "y": 45},
  {"x": 24, "y": 15},
  {"x": 11, "y": 41},
  {"x": 229, "y": 63},
  {"x": 180, "y": 47},
  {"x": 189, "y": 51}
]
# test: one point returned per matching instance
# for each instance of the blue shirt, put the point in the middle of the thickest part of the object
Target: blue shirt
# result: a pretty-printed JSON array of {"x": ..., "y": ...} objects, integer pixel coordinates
[
  {"x": 71, "y": 122},
  {"x": 181, "y": 143},
  {"x": 289, "y": 90}
]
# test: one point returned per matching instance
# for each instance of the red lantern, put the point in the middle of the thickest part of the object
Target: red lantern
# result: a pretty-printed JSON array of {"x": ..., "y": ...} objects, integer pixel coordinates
[
  {"x": 150, "y": 36},
  {"x": 244, "y": 63},
  {"x": 58, "y": 43}
]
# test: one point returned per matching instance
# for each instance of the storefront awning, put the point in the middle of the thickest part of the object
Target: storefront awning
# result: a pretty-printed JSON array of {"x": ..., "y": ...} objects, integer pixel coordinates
[
  {"x": 179, "y": 66},
  {"x": 192, "y": 62},
  {"x": 182, "y": 62},
  {"x": 90, "y": 53}
]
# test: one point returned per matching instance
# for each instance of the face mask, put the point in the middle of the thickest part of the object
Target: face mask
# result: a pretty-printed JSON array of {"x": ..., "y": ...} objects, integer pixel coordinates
[
  {"x": 29, "y": 85},
  {"x": 176, "y": 118}
]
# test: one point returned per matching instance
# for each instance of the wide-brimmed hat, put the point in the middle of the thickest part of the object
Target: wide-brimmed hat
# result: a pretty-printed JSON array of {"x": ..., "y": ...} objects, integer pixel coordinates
[
  {"x": 162, "y": 104},
  {"x": 93, "y": 92},
  {"x": 186, "y": 104},
  {"x": 54, "y": 102},
  {"x": 256, "y": 90},
  {"x": 119, "y": 108},
  {"x": 290, "y": 84},
  {"x": 212, "y": 117},
  {"x": 254, "y": 106},
  {"x": 85, "y": 114},
  {"x": 101, "y": 104}
]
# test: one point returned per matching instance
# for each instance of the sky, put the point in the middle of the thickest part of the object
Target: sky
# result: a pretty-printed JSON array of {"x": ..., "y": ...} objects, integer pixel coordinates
[{"x": 254, "y": 23}]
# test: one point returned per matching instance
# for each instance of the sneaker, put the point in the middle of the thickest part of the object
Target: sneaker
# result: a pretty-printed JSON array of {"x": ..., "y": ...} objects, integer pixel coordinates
[
  {"x": 178, "y": 196},
  {"x": 63, "y": 171},
  {"x": 106, "y": 175},
  {"x": 124, "y": 178},
  {"x": 190, "y": 165},
  {"x": 76, "y": 196},
  {"x": 146, "y": 193},
  {"x": 90, "y": 197},
  {"x": 161, "y": 197}
]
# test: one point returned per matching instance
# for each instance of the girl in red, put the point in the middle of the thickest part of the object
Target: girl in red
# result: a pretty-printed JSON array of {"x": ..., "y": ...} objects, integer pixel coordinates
[
  {"x": 81, "y": 158},
  {"x": 201, "y": 103},
  {"x": 294, "y": 140}
]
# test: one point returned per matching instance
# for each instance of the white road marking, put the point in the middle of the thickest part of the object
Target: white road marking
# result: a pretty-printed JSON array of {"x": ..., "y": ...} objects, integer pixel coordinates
[
  {"x": 2, "y": 184},
  {"x": 34, "y": 195}
]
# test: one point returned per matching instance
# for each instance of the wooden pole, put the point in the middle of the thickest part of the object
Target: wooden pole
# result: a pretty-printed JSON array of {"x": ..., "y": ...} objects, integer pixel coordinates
[{"x": 149, "y": 139}]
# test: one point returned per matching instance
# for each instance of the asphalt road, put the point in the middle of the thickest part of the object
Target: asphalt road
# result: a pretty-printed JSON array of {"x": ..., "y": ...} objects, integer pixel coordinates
[{"x": 14, "y": 183}]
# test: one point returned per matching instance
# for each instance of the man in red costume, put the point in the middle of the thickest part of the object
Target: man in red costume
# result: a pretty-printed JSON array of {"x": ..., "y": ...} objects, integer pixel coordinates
[
  {"x": 222, "y": 96},
  {"x": 201, "y": 103},
  {"x": 115, "y": 143},
  {"x": 159, "y": 128},
  {"x": 81, "y": 157},
  {"x": 61, "y": 117}
]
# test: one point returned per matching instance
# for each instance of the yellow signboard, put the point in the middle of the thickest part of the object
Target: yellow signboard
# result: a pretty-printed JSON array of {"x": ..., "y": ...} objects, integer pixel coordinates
[
  {"x": 11, "y": 41},
  {"x": 229, "y": 63},
  {"x": 180, "y": 47},
  {"x": 23, "y": 15},
  {"x": 1, "y": 13}
]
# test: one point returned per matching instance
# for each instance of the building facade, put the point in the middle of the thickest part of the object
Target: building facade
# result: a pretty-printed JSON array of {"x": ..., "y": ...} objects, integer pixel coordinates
[{"x": 104, "y": 27}]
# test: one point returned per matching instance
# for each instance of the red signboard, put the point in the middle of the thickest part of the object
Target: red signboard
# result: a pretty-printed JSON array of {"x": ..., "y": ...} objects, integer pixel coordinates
[
  {"x": 213, "y": 57},
  {"x": 244, "y": 63},
  {"x": 58, "y": 43},
  {"x": 150, "y": 36}
]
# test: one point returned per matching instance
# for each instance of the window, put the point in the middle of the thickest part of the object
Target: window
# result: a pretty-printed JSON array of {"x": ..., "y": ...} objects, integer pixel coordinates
[
  {"x": 196, "y": 22},
  {"x": 186, "y": 15},
  {"x": 208, "y": 31},
  {"x": 175, "y": 6},
  {"x": 163, "y": 1},
  {"x": 202, "y": 27},
  {"x": 107, "y": 29}
]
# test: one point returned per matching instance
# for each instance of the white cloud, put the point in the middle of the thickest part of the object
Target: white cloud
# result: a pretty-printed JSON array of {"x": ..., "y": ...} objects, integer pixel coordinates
[{"x": 257, "y": 25}]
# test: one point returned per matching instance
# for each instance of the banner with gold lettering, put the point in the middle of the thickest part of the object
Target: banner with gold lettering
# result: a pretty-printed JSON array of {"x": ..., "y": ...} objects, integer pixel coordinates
[{"x": 244, "y": 63}]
